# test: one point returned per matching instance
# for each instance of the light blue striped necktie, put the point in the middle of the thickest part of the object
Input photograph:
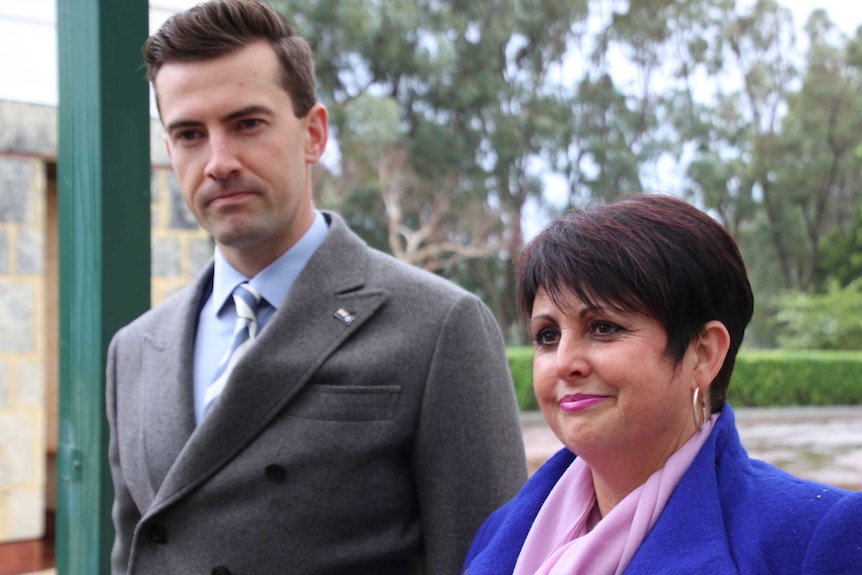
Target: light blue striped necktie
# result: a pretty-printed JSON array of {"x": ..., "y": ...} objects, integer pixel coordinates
[{"x": 247, "y": 301}]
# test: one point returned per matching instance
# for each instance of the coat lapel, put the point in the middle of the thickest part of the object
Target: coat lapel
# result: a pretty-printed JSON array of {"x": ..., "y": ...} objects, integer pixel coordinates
[
  {"x": 167, "y": 375},
  {"x": 325, "y": 306},
  {"x": 690, "y": 535}
]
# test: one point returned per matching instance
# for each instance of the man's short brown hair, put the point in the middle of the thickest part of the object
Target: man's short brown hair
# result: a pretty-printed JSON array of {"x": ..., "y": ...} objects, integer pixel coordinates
[{"x": 219, "y": 27}]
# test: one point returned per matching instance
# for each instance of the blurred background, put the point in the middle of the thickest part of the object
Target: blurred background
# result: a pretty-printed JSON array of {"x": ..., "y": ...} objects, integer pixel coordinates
[{"x": 458, "y": 130}]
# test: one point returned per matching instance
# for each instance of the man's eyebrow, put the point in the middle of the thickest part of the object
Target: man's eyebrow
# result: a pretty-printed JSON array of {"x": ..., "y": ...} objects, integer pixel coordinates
[
  {"x": 177, "y": 124},
  {"x": 247, "y": 111},
  {"x": 242, "y": 112}
]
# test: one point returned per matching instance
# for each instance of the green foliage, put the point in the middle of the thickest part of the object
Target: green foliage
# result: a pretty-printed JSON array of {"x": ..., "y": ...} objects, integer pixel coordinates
[
  {"x": 842, "y": 254},
  {"x": 832, "y": 320},
  {"x": 760, "y": 378},
  {"x": 521, "y": 365},
  {"x": 781, "y": 378}
]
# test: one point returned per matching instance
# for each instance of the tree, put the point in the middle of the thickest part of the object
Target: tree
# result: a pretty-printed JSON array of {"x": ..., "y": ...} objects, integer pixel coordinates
[
  {"x": 818, "y": 168},
  {"x": 842, "y": 255},
  {"x": 451, "y": 118},
  {"x": 439, "y": 109}
]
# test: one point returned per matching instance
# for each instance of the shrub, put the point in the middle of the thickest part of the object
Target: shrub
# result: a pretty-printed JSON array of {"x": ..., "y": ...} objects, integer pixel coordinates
[
  {"x": 828, "y": 320},
  {"x": 794, "y": 377},
  {"x": 521, "y": 365}
]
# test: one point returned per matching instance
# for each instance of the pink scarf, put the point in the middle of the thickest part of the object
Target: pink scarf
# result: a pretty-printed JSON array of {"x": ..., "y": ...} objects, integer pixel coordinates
[{"x": 564, "y": 540}]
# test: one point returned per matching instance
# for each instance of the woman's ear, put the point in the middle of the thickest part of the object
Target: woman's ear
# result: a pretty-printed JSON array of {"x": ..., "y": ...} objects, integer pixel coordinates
[{"x": 710, "y": 349}]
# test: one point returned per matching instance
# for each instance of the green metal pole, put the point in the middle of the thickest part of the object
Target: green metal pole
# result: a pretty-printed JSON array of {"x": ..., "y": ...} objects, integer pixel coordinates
[{"x": 104, "y": 221}]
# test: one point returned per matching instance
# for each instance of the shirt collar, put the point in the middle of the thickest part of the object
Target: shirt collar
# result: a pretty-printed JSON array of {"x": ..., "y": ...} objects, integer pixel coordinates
[{"x": 274, "y": 281}]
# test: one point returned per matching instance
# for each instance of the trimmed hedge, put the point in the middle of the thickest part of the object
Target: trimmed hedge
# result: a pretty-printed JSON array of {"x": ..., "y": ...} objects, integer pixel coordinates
[
  {"x": 521, "y": 366},
  {"x": 761, "y": 378},
  {"x": 764, "y": 378}
]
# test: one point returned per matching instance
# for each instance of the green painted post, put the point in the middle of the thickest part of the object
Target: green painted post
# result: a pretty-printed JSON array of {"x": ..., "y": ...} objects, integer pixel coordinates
[{"x": 104, "y": 221}]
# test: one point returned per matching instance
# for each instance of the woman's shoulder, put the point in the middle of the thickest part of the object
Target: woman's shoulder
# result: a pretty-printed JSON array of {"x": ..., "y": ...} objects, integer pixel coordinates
[
  {"x": 836, "y": 543},
  {"x": 774, "y": 519},
  {"x": 766, "y": 494}
]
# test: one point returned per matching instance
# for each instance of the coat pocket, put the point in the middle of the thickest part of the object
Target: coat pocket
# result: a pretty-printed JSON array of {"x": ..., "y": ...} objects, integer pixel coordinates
[{"x": 346, "y": 402}]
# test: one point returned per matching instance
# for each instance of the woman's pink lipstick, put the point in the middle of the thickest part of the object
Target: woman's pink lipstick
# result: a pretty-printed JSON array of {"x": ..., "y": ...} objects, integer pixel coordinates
[{"x": 580, "y": 401}]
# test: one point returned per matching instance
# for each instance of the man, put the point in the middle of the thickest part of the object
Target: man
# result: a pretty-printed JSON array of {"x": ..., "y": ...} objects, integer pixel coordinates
[{"x": 340, "y": 412}]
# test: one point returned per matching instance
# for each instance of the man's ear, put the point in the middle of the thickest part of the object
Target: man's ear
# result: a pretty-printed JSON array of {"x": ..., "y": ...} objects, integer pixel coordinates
[
  {"x": 316, "y": 132},
  {"x": 710, "y": 349}
]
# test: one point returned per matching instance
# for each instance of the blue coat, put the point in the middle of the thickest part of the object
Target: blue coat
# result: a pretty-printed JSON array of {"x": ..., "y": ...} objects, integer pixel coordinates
[{"x": 729, "y": 514}]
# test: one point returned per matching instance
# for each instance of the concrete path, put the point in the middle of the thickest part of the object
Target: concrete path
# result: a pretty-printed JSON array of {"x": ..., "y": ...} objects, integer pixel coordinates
[{"x": 818, "y": 443}]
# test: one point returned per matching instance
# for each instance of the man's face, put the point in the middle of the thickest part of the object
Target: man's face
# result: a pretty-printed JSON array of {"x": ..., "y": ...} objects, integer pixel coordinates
[{"x": 243, "y": 159}]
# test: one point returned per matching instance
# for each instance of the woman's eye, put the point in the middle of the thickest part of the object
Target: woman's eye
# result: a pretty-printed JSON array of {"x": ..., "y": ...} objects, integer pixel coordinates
[
  {"x": 546, "y": 336},
  {"x": 606, "y": 328}
]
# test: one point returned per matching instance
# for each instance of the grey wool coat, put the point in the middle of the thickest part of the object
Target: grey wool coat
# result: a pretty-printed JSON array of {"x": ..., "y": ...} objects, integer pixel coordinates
[{"x": 372, "y": 442}]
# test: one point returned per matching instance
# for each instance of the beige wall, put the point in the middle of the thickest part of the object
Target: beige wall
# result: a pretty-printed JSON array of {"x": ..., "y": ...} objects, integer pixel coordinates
[
  {"x": 28, "y": 301},
  {"x": 22, "y": 347}
]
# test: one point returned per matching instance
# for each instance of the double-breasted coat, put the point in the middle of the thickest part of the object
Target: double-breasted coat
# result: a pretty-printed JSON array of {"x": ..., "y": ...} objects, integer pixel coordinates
[{"x": 370, "y": 429}]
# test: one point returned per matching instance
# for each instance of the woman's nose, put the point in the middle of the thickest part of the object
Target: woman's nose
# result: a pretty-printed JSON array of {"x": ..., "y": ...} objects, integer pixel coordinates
[{"x": 571, "y": 359}]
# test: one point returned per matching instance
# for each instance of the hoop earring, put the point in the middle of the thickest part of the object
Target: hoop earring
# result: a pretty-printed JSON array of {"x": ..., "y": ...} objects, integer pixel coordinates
[{"x": 703, "y": 408}]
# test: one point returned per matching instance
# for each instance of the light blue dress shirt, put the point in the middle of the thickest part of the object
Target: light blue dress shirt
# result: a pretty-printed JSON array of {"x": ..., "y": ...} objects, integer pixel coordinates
[{"x": 218, "y": 314}]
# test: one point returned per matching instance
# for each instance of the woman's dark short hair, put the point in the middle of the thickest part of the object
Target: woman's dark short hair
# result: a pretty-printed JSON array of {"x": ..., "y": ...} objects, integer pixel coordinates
[
  {"x": 647, "y": 253},
  {"x": 219, "y": 27}
]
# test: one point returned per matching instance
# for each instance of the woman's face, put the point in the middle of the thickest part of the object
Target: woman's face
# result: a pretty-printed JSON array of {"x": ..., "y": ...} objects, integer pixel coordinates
[{"x": 606, "y": 386}]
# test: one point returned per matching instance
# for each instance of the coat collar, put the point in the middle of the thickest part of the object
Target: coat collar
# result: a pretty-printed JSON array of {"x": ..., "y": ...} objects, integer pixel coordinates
[{"x": 690, "y": 535}]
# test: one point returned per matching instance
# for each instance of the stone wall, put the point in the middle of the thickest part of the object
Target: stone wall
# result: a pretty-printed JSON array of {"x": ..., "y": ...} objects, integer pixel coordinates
[
  {"x": 28, "y": 297},
  {"x": 22, "y": 382},
  {"x": 179, "y": 248}
]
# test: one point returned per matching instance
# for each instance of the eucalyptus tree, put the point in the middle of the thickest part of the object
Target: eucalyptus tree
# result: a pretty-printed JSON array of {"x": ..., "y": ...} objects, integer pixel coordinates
[
  {"x": 819, "y": 169},
  {"x": 450, "y": 118},
  {"x": 441, "y": 109}
]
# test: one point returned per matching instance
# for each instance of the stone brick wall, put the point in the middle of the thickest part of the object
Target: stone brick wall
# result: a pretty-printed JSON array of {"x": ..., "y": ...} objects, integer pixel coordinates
[
  {"x": 22, "y": 383},
  {"x": 179, "y": 248},
  {"x": 28, "y": 386}
]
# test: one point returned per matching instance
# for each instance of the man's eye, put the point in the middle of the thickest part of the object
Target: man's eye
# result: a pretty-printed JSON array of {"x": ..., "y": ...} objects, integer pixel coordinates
[
  {"x": 187, "y": 135},
  {"x": 249, "y": 123}
]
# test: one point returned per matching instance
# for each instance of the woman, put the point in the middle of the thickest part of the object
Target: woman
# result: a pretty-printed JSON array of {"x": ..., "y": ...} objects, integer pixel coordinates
[{"x": 637, "y": 309}]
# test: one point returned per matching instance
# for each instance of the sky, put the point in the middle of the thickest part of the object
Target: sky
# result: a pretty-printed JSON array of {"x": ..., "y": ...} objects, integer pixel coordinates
[{"x": 28, "y": 45}]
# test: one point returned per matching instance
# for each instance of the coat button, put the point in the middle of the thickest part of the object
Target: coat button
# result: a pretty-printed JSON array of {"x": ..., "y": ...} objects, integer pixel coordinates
[
  {"x": 276, "y": 473},
  {"x": 157, "y": 534},
  {"x": 220, "y": 570}
]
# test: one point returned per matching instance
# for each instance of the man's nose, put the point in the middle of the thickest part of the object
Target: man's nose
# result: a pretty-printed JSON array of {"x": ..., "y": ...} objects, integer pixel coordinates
[{"x": 223, "y": 161}]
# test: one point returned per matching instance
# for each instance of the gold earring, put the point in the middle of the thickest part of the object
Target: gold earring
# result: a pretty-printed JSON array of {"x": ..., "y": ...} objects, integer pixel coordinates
[{"x": 703, "y": 408}]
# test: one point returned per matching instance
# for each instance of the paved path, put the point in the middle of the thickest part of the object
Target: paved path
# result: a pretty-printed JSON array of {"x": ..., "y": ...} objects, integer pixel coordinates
[{"x": 818, "y": 443}]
